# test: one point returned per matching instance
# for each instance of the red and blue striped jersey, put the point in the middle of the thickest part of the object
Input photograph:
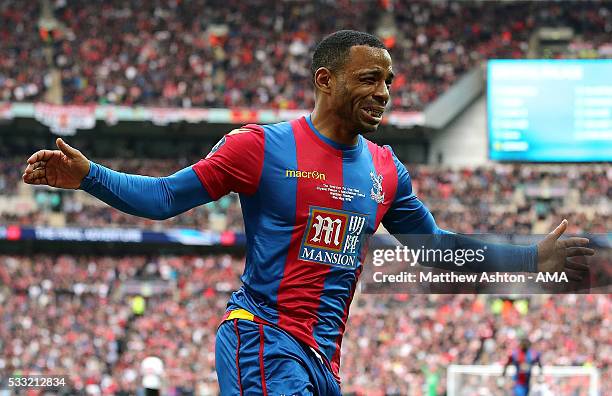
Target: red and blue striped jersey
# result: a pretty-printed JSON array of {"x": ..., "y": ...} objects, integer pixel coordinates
[
  {"x": 308, "y": 203},
  {"x": 523, "y": 360}
]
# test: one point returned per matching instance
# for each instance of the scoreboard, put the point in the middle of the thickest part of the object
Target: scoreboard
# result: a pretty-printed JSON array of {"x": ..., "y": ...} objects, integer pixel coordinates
[{"x": 550, "y": 110}]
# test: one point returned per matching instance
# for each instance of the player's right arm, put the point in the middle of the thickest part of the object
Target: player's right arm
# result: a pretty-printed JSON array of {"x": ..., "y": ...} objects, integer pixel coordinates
[
  {"x": 230, "y": 167},
  {"x": 408, "y": 215}
]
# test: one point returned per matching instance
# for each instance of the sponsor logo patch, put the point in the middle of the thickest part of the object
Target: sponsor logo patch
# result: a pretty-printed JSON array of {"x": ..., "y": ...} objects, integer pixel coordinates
[
  {"x": 305, "y": 174},
  {"x": 333, "y": 237}
]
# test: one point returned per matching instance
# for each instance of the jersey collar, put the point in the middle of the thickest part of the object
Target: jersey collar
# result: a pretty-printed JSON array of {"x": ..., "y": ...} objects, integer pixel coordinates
[{"x": 347, "y": 150}]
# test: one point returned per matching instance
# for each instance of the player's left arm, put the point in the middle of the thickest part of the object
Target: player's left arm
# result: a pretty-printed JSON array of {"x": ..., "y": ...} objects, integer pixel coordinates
[
  {"x": 156, "y": 198},
  {"x": 234, "y": 164},
  {"x": 408, "y": 215},
  {"x": 152, "y": 197}
]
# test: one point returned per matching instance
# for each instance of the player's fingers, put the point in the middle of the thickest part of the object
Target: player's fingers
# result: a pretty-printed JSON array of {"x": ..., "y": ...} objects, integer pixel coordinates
[
  {"x": 574, "y": 242},
  {"x": 36, "y": 165},
  {"x": 70, "y": 151},
  {"x": 28, "y": 179},
  {"x": 36, "y": 174},
  {"x": 579, "y": 251},
  {"x": 34, "y": 180},
  {"x": 574, "y": 275},
  {"x": 41, "y": 155},
  {"x": 29, "y": 168},
  {"x": 557, "y": 232},
  {"x": 576, "y": 266}
]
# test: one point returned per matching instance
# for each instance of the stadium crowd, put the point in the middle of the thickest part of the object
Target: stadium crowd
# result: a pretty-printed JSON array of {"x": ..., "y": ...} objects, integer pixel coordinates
[
  {"x": 75, "y": 315},
  {"x": 443, "y": 40},
  {"x": 95, "y": 318},
  {"x": 494, "y": 198},
  {"x": 227, "y": 53}
]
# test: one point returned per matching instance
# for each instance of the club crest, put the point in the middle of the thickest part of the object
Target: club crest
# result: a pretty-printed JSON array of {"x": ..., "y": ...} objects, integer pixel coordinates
[{"x": 376, "y": 193}]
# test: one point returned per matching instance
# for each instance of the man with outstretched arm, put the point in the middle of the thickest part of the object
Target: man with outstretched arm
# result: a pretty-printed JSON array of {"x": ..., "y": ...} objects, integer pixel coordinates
[{"x": 309, "y": 190}]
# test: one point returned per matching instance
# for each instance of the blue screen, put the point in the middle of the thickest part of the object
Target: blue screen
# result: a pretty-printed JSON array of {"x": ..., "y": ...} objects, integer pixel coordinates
[{"x": 550, "y": 110}]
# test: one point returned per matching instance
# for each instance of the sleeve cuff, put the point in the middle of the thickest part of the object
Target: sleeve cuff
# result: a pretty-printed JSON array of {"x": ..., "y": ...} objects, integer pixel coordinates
[
  {"x": 89, "y": 180},
  {"x": 531, "y": 262}
]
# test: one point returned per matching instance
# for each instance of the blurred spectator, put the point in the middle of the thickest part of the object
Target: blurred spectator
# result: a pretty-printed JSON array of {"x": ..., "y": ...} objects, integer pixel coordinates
[
  {"x": 71, "y": 315},
  {"x": 494, "y": 198},
  {"x": 225, "y": 53}
]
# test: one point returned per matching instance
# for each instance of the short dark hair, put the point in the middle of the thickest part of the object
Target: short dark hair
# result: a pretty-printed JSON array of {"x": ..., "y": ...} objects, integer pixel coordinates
[{"x": 332, "y": 51}]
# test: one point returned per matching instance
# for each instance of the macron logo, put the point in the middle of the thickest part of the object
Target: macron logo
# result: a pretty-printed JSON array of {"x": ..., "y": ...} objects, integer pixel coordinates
[{"x": 305, "y": 174}]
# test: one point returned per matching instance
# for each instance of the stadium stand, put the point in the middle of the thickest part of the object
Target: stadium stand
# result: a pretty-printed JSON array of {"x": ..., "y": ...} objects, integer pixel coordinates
[
  {"x": 181, "y": 54},
  {"x": 501, "y": 198},
  {"x": 82, "y": 314},
  {"x": 74, "y": 313}
]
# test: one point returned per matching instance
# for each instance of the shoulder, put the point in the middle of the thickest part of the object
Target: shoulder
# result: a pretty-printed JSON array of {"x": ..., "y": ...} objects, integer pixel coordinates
[
  {"x": 277, "y": 130},
  {"x": 249, "y": 131},
  {"x": 384, "y": 152},
  {"x": 383, "y": 155},
  {"x": 255, "y": 130},
  {"x": 245, "y": 136},
  {"x": 255, "y": 136}
]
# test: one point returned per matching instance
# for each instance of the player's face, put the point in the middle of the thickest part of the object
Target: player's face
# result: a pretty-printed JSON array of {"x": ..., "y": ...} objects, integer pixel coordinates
[{"x": 362, "y": 92}]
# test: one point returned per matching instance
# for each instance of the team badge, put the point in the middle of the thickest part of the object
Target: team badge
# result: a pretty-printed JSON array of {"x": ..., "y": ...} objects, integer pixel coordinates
[{"x": 376, "y": 192}]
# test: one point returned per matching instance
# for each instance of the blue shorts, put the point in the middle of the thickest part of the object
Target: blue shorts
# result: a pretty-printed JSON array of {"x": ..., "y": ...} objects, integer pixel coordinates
[
  {"x": 520, "y": 390},
  {"x": 260, "y": 359}
]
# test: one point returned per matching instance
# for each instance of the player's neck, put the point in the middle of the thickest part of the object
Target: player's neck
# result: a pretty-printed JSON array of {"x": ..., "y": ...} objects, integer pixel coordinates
[{"x": 332, "y": 127}]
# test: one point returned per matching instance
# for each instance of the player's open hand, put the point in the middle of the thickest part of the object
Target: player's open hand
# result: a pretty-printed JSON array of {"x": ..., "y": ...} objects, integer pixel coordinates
[
  {"x": 555, "y": 255},
  {"x": 64, "y": 168}
]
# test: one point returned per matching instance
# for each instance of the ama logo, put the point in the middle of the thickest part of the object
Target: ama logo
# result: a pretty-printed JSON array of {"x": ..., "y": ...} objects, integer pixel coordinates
[{"x": 333, "y": 237}]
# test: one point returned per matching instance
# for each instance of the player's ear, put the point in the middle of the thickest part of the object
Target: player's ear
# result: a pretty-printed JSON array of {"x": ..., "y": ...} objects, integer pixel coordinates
[{"x": 323, "y": 80}]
